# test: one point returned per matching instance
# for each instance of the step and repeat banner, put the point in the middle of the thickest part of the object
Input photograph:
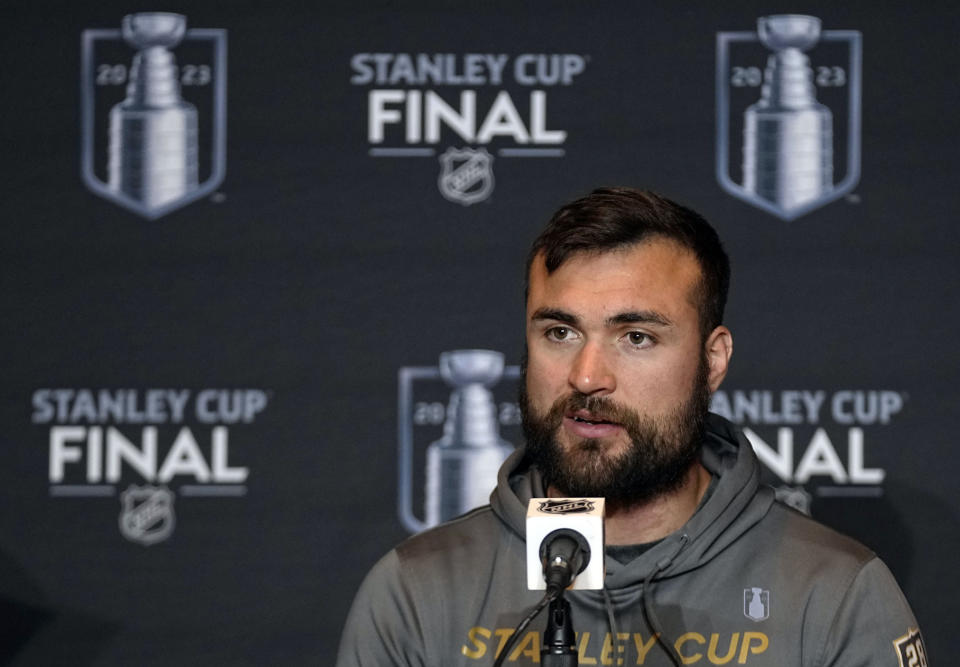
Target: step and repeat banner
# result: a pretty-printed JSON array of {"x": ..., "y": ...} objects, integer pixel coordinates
[{"x": 254, "y": 256}]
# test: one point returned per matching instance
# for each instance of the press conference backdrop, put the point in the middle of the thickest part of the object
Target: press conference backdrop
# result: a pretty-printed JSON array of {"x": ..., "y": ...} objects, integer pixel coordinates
[{"x": 238, "y": 242}]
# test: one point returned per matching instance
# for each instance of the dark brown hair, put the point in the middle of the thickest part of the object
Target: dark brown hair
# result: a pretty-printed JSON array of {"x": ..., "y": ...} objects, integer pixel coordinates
[{"x": 617, "y": 217}]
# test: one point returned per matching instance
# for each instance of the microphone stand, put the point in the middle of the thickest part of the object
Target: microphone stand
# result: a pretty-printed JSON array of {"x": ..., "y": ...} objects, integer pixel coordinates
[{"x": 559, "y": 648}]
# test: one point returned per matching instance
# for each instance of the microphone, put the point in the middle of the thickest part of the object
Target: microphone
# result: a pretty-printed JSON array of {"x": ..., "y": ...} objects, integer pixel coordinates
[
  {"x": 562, "y": 535},
  {"x": 564, "y": 554}
]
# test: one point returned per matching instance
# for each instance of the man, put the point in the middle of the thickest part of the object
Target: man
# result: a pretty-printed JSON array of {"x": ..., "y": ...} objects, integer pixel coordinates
[{"x": 625, "y": 344}]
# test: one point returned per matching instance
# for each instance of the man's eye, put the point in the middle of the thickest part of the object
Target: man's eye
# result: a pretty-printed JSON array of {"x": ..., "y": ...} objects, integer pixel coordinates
[
  {"x": 559, "y": 333},
  {"x": 639, "y": 339}
]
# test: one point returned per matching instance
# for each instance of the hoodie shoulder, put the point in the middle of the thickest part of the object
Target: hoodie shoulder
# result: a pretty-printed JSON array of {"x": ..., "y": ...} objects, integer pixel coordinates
[
  {"x": 473, "y": 533},
  {"x": 853, "y": 610},
  {"x": 816, "y": 540}
]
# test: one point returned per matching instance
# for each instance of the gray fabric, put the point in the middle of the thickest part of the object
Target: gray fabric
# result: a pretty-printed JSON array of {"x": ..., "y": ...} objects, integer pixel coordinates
[{"x": 452, "y": 595}]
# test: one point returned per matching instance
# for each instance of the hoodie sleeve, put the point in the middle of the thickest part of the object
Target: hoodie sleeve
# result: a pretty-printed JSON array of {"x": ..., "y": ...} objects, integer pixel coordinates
[
  {"x": 383, "y": 627},
  {"x": 874, "y": 624}
]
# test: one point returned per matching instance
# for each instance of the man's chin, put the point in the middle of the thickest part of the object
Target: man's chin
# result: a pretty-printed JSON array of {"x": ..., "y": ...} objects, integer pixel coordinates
[{"x": 593, "y": 457}]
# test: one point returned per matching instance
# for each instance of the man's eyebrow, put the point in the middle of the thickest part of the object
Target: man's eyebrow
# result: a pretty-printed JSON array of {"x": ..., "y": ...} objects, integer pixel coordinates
[
  {"x": 555, "y": 314},
  {"x": 640, "y": 317},
  {"x": 629, "y": 317}
]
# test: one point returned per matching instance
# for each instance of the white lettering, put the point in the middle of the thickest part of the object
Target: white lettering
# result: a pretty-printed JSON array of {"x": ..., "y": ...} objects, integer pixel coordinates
[
  {"x": 538, "y": 121},
  {"x": 227, "y": 406},
  {"x": 779, "y": 462},
  {"x": 178, "y": 401},
  {"x": 520, "y": 70},
  {"x": 813, "y": 401},
  {"x": 437, "y": 111},
  {"x": 60, "y": 452},
  {"x": 820, "y": 459},
  {"x": 859, "y": 474},
  {"x": 94, "y": 454},
  {"x": 222, "y": 472},
  {"x": 530, "y": 69},
  {"x": 184, "y": 458},
  {"x": 402, "y": 70},
  {"x": 865, "y": 407},
  {"x": 143, "y": 459},
  {"x": 414, "y": 113},
  {"x": 421, "y": 69},
  {"x": 503, "y": 120},
  {"x": 364, "y": 73},
  {"x": 43, "y": 410},
  {"x": 379, "y": 115},
  {"x": 496, "y": 63}
]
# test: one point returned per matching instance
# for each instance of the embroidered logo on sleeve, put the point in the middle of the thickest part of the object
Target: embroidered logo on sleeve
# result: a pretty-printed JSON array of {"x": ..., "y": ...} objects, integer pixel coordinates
[{"x": 910, "y": 649}]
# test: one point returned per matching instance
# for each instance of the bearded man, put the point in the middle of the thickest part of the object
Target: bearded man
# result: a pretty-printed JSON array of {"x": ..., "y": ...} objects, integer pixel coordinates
[{"x": 625, "y": 344}]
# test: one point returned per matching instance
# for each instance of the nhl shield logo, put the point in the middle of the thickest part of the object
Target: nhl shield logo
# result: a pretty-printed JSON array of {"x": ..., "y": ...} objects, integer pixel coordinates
[
  {"x": 466, "y": 175},
  {"x": 788, "y": 114},
  {"x": 153, "y": 112},
  {"x": 146, "y": 514},
  {"x": 756, "y": 604}
]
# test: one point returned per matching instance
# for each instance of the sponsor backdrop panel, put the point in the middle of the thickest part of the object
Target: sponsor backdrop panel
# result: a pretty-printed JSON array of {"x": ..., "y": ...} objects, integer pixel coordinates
[{"x": 259, "y": 262}]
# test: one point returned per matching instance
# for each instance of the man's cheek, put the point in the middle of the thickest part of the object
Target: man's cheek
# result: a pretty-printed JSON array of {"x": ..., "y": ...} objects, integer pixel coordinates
[{"x": 542, "y": 391}]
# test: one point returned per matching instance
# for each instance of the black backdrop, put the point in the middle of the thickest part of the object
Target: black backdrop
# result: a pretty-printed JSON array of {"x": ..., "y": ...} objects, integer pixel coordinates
[{"x": 322, "y": 266}]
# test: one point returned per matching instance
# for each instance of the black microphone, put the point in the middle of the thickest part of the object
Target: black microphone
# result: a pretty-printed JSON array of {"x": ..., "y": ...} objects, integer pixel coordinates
[{"x": 564, "y": 553}]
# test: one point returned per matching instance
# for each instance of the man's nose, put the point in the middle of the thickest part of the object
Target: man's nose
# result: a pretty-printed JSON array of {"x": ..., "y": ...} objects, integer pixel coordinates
[{"x": 591, "y": 373}]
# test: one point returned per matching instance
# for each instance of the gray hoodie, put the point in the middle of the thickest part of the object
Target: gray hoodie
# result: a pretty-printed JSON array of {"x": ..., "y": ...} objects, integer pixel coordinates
[{"x": 747, "y": 581}]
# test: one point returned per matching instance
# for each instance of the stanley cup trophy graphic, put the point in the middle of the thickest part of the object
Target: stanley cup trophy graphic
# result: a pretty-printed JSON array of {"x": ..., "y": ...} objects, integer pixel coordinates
[
  {"x": 804, "y": 130},
  {"x": 462, "y": 465},
  {"x": 153, "y": 132},
  {"x": 787, "y": 135}
]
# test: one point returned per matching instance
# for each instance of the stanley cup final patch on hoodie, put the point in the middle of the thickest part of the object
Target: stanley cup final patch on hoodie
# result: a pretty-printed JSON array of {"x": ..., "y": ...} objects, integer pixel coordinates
[{"x": 910, "y": 649}]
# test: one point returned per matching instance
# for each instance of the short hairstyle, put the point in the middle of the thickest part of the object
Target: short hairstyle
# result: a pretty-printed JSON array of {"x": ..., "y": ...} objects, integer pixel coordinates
[{"x": 616, "y": 217}]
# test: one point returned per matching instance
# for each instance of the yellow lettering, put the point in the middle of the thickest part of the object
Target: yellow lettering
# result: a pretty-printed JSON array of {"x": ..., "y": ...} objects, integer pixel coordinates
[
  {"x": 532, "y": 639},
  {"x": 731, "y": 650},
  {"x": 481, "y": 647},
  {"x": 607, "y": 650},
  {"x": 606, "y": 654},
  {"x": 504, "y": 635},
  {"x": 643, "y": 648},
  {"x": 689, "y": 637},
  {"x": 582, "y": 649},
  {"x": 761, "y": 646}
]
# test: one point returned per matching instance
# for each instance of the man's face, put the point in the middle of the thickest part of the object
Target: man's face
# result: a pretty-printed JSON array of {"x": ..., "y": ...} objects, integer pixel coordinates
[{"x": 618, "y": 380}]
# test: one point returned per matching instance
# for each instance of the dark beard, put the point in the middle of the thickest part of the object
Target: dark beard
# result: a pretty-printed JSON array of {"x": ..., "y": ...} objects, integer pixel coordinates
[{"x": 661, "y": 453}]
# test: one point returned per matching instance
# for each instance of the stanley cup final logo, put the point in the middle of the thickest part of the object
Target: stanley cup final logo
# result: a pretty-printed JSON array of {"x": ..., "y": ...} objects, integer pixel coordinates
[
  {"x": 153, "y": 112},
  {"x": 459, "y": 468},
  {"x": 788, "y": 135}
]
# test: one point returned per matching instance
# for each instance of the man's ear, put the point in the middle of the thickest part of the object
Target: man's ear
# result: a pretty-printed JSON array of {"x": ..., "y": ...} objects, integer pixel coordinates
[{"x": 718, "y": 348}]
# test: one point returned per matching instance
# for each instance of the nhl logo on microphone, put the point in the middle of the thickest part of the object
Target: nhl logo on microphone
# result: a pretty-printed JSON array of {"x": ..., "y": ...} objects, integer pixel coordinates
[
  {"x": 566, "y": 506},
  {"x": 582, "y": 515}
]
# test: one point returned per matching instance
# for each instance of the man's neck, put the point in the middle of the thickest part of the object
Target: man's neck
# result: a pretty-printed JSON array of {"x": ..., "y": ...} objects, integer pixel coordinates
[{"x": 657, "y": 518}]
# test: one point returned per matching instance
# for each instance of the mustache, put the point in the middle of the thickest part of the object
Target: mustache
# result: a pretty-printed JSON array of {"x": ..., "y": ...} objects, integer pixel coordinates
[{"x": 601, "y": 408}]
